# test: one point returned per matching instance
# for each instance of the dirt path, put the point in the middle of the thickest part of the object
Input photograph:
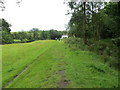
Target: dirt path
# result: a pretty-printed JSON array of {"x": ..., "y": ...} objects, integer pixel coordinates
[{"x": 63, "y": 83}]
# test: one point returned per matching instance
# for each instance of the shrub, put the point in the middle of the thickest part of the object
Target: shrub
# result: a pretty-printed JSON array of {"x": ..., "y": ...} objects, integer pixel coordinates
[{"x": 105, "y": 48}]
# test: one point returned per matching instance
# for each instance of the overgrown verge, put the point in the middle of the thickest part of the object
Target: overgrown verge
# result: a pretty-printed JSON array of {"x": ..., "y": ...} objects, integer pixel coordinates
[{"x": 105, "y": 48}]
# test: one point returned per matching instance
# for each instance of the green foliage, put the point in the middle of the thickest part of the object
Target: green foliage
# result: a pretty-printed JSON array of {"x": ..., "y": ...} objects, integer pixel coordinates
[
  {"x": 26, "y": 36},
  {"x": 90, "y": 20},
  {"x": 105, "y": 48},
  {"x": 95, "y": 23},
  {"x": 44, "y": 35},
  {"x": 36, "y": 34},
  {"x": 111, "y": 21},
  {"x": 6, "y": 35},
  {"x": 54, "y": 34}
]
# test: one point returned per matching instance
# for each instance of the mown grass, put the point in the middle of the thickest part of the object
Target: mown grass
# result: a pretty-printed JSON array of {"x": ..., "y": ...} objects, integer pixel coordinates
[
  {"x": 43, "y": 72},
  {"x": 17, "y": 56},
  {"x": 83, "y": 69}
]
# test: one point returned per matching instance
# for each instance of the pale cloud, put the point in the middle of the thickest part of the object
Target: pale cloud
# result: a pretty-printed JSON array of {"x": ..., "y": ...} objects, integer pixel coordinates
[{"x": 42, "y": 14}]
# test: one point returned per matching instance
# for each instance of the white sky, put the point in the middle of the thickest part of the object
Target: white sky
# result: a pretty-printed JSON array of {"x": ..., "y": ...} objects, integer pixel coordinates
[{"x": 42, "y": 14}]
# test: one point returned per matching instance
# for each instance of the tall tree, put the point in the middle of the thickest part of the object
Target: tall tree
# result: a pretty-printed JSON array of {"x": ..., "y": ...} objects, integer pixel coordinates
[{"x": 83, "y": 20}]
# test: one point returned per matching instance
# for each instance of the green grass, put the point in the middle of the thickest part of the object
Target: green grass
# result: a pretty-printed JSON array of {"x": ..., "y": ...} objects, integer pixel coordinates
[
  {"x": 42, "y": 73},
  {"x": 17, "y": 56},
  {"x": 83, "y": 69}
]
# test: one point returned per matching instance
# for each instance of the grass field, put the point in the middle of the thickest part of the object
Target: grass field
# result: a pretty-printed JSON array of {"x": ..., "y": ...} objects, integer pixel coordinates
[
  {"x": 51, "y": 64},
  {"x": 17, "y": 56}
]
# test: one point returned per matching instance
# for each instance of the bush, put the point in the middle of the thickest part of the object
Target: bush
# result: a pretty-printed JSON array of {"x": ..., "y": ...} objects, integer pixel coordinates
[
  {"x": 6, "y": 38},
  {"x": 105, "y": 48},
  {"x": 75, "y": 43}
]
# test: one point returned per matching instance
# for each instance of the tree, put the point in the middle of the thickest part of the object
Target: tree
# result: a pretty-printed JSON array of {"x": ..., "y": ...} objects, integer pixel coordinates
[
  {"x": 44, "y": 35},
  {"x": 82, "y": 22},
  {"x": 36, "y": 35},
  {"x": 110, "y": 21},
  {"x": 54, "y": 34},
  {"x": 6, "y": 35}
]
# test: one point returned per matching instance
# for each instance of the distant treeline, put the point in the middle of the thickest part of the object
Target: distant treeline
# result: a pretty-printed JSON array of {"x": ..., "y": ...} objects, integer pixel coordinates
[
  {"x": 26, "y": 36},
  {"x": 36, "y": 34}
]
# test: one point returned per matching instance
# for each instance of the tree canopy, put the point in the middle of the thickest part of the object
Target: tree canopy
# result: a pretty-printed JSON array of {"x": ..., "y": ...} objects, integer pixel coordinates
[
  {"x": 98, "y": 20},
  {"x": 5, "y": 29}
]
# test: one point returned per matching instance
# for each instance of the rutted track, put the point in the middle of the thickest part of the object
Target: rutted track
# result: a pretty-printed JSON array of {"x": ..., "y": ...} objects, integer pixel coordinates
[{"x": 26, "y": 67}]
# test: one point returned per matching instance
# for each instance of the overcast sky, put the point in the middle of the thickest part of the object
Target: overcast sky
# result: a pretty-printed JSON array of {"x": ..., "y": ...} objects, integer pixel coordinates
[{"x": 42, "y": 14}]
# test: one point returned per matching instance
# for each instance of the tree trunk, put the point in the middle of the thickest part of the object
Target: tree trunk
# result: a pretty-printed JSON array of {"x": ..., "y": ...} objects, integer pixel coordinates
[{"x": 84, "y": 23}]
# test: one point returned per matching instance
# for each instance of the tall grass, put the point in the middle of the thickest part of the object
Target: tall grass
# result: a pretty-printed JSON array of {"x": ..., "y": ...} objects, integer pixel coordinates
[{"x": 104, "y": 48}]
